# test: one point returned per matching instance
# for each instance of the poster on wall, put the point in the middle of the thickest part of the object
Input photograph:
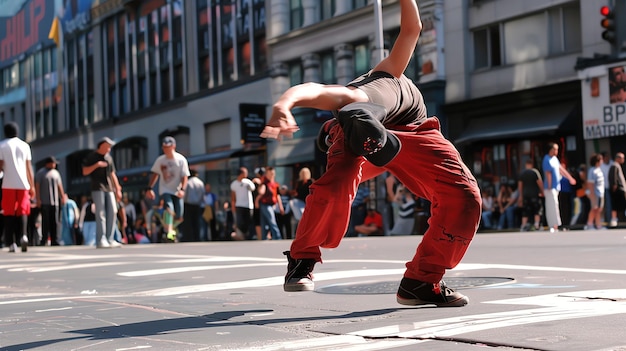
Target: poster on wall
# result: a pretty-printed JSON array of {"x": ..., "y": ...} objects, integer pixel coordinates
[
  {"x": 24, "y": 24},
  {"x": 603, "y": 91}
]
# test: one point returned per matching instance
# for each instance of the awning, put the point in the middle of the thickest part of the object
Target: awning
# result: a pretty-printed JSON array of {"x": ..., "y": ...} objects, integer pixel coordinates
[
  {"x": 523, "y": 123},
  {"x": 290, "y": 151}
]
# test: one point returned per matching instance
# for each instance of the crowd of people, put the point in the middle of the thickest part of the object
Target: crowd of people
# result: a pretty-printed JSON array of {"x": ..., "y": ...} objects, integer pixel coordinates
[{"x": 555, "y": 197}]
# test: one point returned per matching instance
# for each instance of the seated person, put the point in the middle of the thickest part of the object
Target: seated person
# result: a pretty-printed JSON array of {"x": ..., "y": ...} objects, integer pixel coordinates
[{"x": 373, "y": 224}]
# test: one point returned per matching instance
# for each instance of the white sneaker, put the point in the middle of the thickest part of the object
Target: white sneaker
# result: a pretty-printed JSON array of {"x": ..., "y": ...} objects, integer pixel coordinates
[
  {"x": 114, "y": 244},
  {"x": 24, "y": 243},
  {"x": 613, "y": 222},
  {"x": 13, "y": 247},
  {"x": 103, "y": 244}
]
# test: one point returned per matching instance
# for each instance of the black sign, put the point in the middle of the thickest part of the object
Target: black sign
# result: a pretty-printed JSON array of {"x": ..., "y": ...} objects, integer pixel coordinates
[{"x": 252, "y": 122}]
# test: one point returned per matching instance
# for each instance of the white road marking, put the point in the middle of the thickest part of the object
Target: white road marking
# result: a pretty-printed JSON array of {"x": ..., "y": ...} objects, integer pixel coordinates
[
  {"x": 264, "y": 282},
  {"x": 67, "y": 267},
  {"x": 332, "y": 343},
  {"x": 555, "y": 307},
  {"x": 477, "y": 266}
]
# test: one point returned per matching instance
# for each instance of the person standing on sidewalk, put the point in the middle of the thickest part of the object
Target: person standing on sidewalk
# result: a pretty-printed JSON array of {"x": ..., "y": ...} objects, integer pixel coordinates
[
  {"x": 194, "y": 197},
  {"x": 173, "y": 170},
  {"x": 50, "y": 198},
  {"x": 18, "y": 186},
  {"x": 553, "y": 171},
  {"x": 242, "y": 204},
  {"x": 381, "y": 124},
  {"x": 106, "y": 191},
  {"x": 617, "y": 188}
]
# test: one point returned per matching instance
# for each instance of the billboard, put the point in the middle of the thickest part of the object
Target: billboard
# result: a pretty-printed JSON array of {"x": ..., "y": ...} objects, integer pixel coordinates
[
  {"x": 24, "y": 24},
  {"x": 604, "y": 100}
]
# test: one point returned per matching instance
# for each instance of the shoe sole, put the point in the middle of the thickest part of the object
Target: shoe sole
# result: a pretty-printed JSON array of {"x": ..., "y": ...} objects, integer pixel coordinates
[
  {"x": 460, "y": 302},
  {"x": 293, "y": 287}
]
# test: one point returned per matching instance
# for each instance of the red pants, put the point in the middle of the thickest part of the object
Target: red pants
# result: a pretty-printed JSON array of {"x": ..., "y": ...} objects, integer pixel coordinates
[{"x": 430, "y": 167}]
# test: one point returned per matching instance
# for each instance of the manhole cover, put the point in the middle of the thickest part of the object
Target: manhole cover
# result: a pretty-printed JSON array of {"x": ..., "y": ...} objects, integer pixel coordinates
[{"x": 391, "y": 287}]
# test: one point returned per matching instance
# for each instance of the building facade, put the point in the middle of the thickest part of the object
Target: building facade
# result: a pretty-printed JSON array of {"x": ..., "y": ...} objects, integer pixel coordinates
[
  {"x": 500, "y": 75},
  {"x": 512, "y": 84}
]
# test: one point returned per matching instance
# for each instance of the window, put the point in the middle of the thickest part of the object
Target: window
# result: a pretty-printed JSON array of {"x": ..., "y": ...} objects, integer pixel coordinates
[
  {"x": 131, "y": 153},
  {"x": 328, "y": 68},
  {"x": 295, "y": 73},
  {"x": 358, "y": 3},
  {"x": 524, "y": 39},
  {"x": 564, "y": 40},
  {"x": 296, "y": 14},
  {"x": 487, "y": 51},
  {"x": 327, "y": 9},
  {"x": 361, "y": 59}
]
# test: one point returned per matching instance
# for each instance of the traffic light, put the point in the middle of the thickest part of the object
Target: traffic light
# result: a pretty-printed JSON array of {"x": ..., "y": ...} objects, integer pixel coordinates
[{"x": 608, "y": 23}]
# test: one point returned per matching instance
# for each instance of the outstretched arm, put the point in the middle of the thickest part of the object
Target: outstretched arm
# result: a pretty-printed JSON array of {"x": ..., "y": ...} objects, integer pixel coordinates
[
  {"x": 313, "y": 95},
  {"x": 402, "y": 50}
]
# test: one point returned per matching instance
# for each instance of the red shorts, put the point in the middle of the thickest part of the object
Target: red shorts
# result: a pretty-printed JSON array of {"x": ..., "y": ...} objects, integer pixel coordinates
[{"x": 15, "y": 202}]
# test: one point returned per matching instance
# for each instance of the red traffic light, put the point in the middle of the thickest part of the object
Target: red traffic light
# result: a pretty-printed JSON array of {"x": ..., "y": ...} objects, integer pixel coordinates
[{"x": 605, "y": 11}]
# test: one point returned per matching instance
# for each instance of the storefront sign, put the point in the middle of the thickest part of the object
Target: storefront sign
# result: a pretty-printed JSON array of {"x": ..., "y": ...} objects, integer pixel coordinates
[
  {"x": 604, "y": 100},
  {"x": 20, "y": 33},
  {"x": 76, "y": 15},
  {"x": 252, "y": 122}
]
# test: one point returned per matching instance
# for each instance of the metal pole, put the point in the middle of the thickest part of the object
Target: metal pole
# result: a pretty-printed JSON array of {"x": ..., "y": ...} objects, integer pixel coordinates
[{"x": 378, "y": 52}]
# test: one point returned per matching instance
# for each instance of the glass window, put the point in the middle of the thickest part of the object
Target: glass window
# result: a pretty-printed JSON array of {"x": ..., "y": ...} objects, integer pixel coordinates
[
  {"x": 327, "y": 9},
  {"x": 525, "y": 39},
  {"x": 573, "y": 34},
  {"x": 361, "y": 59},
  {"x": 328, "y": 68},
  {"x": 487, "y": 52},
  {"x": 295, "y": 73},
  {"x": 296, "y": 11},
  {"x": 358, "y": 3}
]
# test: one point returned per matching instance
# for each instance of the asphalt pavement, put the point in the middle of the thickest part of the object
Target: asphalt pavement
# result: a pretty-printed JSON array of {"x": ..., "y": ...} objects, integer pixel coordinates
[{"x": 528, "y": 291}]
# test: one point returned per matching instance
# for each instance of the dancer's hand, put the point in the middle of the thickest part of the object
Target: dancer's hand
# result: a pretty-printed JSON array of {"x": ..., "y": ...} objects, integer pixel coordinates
[{"x": 281, "y": 123}]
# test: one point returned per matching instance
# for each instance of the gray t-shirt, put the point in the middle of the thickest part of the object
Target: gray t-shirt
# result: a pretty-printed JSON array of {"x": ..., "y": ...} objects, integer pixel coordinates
[{"x": 48, "y": 181}]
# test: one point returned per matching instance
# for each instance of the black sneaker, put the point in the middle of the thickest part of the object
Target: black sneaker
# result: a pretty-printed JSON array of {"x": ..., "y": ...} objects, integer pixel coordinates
[
  {"x": 299, "y": 276},
  {"x": 414, "y": 292}
]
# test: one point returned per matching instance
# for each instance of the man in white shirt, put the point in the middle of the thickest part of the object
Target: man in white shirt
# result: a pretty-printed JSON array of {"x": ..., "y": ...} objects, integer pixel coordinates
[
  {"x": 173, "y": 170},
  {"x": 242, "y": 203},
  {"x": 18, "y": 186}
]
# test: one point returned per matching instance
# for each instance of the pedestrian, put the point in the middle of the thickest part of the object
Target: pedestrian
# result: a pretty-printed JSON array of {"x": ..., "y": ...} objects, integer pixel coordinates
[
  {"x": 18, "y": 187},
  {"x": 617, "y": 186},
  {"x": 372, "y": 224},
  {"x": 284, "y": 220},
  {"x": 605, "y": 166},
  {"x": 381, "y": 125},
  {"x": 106, "y": 191},
  {"x": 255, "y": 229},
  {"x": 50, "y": 198},
  {"x": 553, "y": 171},
  {"x": 582, "y": 205},
  {"x": 87, "y": 221},
  {"x": 172, "y": 171},
  {"x": 210, "y": 203},
  {"x": 404, "y": 223},
  {"x": 358, "y": 210},
  {"x": 530, "y": 187},
  {"x": 131, "y": 214},
  {"x": 391, "y": 202},
  {"x": 489, "y": 204},
  {"x": 242, "y": 204},
  {"x": 300, "y": 192},
  {"x": 194, "y": 197},
  {"x": 70, "y": 215},
  {"x": 268, "y": 198},
  {"x": 595, "y": 191}
]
